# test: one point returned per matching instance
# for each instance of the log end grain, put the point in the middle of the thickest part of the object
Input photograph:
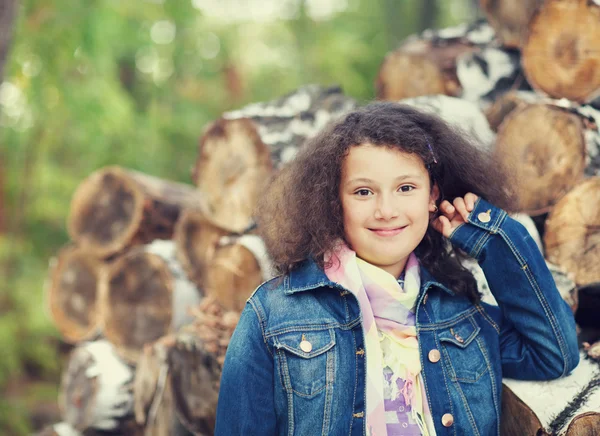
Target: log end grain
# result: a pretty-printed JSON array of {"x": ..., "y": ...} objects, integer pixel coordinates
[
  {"x": 232, "y": 166},
  {"x": 561, "y": 55},
  {"x": 510, "y": 19},
  {"x": 545, "y": 147},
  {"x": 136, "y": 302},
  {"x": 71, "y": 293},
  {"x": 572, "y": 236},
  {"x": 106, "y": 210},
  {"x": 586, "y": 424}
]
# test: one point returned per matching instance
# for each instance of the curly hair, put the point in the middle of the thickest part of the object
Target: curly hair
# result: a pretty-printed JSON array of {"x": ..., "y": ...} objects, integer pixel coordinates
[{"x": 300, "y": 215}]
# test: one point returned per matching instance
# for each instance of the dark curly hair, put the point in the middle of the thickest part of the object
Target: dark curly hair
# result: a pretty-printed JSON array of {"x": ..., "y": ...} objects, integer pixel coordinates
[{"x": 300, "y": 214}]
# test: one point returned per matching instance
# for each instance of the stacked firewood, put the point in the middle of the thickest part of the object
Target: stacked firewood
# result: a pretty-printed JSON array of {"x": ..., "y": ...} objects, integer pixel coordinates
[
  {"x": 533, "y": 69},
  {"x": 151, "y": 286}
]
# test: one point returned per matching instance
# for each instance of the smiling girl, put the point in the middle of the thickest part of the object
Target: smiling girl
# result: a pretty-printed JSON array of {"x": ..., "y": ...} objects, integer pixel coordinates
[{"x": 373, "y": 326}]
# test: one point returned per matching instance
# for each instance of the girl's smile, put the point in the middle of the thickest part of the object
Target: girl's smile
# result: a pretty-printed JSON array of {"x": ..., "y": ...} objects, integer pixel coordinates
[{"x": 386, "y": 198}]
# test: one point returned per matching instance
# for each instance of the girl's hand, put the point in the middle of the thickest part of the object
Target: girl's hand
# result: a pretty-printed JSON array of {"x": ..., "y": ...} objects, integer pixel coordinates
[{"x": 452, "y": 216}]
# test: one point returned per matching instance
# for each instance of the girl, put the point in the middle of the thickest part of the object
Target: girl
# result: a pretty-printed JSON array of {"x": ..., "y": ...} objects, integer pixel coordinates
[{"x": 374, "y": 327}]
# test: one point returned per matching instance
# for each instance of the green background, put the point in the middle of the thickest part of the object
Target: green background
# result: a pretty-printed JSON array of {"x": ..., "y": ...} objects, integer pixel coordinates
[{"x": 100, "y": 82}]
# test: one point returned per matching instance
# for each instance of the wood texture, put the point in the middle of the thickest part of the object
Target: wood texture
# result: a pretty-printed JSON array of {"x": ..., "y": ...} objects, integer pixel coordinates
[
  {"x": 561, "y": 56},
  {"x": 572, "y": 236},
  {"x": 510, "y": 19},
  {"x": 545, "y": 146},
  {"x": 115, "y": 208},
  {"x": 71, "y": 293}
]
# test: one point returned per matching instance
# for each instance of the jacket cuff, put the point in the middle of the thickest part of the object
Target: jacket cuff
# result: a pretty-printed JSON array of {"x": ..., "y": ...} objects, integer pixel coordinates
[{"x": 484, "y": 221}]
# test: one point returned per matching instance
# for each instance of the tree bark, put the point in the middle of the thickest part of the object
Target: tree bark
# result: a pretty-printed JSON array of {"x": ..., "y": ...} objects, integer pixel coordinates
[
  {"x": 553, "y": 407},
  {"x": 238, "y": 152},
  {"x": 153, "y": 396},
  {"x": 115, "y": 208},
  {"x": 144, "y": 295},
  {"x": 572, "y": 235},
  {"x": 95, "y": 391},
  {"x": 71, "y": 291},
  {"x": 561, "y": 56},
  {"x": 196, "y": 363}
]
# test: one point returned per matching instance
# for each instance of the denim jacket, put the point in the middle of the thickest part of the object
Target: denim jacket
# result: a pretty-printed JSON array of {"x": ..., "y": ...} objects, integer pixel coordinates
[{"x": 270, "y": 385}]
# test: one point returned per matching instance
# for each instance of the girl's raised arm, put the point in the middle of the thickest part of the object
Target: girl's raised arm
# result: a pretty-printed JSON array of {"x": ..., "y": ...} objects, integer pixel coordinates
[{"x": 536, "y": 326}]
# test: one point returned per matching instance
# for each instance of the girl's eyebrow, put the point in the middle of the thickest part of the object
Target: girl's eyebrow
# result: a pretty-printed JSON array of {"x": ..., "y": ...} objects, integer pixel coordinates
[{"x": 397, "y": 179}]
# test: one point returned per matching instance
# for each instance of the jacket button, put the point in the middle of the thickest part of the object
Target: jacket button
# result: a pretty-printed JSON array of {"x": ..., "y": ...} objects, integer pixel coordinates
[
  {"x": 306, "y": 346},
  {"x": 485, "y": 217},
  {"x": 447, "y": 420},
  {"x": 434, "y": 356}
]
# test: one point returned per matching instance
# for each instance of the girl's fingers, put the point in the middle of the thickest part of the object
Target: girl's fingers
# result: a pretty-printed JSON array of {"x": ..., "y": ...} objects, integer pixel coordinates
[
  {"x": 447, "y": 208},
  {"x": 461, "y": 208},
  {"x": 470, "y": 200}
]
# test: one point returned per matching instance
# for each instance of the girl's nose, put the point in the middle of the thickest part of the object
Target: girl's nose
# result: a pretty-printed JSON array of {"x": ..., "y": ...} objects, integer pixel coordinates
[{"x": 386, "y": 208}]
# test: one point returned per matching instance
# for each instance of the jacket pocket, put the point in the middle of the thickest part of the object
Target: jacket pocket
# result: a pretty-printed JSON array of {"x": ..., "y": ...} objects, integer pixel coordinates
[
  {"x": 463, "y": 350},
  {"x": 306, "y": 360}
]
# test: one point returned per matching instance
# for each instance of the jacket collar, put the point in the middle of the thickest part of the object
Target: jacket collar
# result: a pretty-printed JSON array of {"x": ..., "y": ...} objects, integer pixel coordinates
[{"x": 308, "y": 275}]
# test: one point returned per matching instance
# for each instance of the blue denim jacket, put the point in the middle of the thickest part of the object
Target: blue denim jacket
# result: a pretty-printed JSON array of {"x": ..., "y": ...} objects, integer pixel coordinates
[{"x": 271, "y": 386}]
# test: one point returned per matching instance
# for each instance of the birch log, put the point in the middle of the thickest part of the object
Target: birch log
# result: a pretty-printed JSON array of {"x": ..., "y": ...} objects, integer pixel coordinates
[
  {"x": 566, "y": 406},
  {"x": 221, "y": 264},
  {"x": 561, "y": 55},
  {"x": 95, "y": 390},
  {"x": 71, "y": 293},
  {"x": 144, "y": 295},
  {"x": 572, "y": 236},
  {"x": 238, "y": 152},
  {"x": 551, "y": 148},
  {"x": 115, "y": 208}
]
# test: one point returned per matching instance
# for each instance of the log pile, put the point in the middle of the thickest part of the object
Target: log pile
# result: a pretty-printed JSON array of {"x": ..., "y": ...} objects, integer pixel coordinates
[
  {"x": 153, "y": 283},
  {"x": 151, "y": 286}
]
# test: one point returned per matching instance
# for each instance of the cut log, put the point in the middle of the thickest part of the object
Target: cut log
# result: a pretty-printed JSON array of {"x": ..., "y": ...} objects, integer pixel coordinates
[
  {"x": 572, "y": 236},
  {"x": 421, "y": 67},
  {"x": 219, "y": 264},
  {"x": 505, "y": 104},
  {"x": 115, "y": 208},
  {"x": 196, "y": 363},
  {"x": 510, "y": 19},
  {"x": 561, "y": 55},
  {"x": 144, "y": 295},
  {"x": 458, "y": 61},
  {"x": 546, "y": 147},
  {"x": 95, "y": 391},
  {"x": 153, "y": 396},
  {"x": 71, "y": 293},
  {"x": 552, "y": 407},
  {"x": 237, "y": 153}
]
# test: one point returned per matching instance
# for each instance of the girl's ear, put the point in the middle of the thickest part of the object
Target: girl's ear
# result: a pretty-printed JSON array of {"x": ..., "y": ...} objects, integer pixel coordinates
[{"x": 433, "y": 197}]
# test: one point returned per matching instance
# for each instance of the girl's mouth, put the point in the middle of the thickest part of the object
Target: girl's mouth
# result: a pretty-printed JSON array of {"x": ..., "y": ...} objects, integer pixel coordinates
[{"x": 388, "y": 232}]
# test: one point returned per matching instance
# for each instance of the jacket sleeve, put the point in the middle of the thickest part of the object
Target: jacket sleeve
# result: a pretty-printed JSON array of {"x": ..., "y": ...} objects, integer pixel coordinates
[
  {"x": 537, "y": 328},
  {"x": 246, "y": 402}
]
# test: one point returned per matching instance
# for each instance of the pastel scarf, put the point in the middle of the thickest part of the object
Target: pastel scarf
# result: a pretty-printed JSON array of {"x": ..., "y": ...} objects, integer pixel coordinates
[{"x": 386, "y": 306}]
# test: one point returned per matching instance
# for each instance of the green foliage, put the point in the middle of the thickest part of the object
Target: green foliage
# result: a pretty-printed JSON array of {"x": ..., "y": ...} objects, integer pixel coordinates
[{"x": 105, "y": 82}]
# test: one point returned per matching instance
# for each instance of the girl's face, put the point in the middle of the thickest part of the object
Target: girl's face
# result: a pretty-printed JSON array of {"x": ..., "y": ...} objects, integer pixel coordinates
[{"x": 386, "y": 200}]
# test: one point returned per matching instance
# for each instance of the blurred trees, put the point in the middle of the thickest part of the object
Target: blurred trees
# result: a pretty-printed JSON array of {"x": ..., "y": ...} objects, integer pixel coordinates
[{"x": 102, "y": 82}]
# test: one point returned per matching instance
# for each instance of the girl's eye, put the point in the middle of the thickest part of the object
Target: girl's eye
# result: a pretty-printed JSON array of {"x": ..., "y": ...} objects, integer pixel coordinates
[
  {"x": 363, "y": 192},
  {"x": 406, "y": 188}
]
